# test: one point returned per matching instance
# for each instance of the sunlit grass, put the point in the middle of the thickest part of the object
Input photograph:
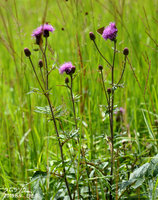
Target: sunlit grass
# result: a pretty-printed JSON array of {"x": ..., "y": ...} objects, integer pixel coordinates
[{"x": 24, "y": 144}]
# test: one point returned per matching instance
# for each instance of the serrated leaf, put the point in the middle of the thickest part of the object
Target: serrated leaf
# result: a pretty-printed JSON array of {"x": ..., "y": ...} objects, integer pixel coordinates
[
  {"x": 38, "y": 178},
  {"x": 140, "y": 172},
  {"x": 138, "y": 183}
]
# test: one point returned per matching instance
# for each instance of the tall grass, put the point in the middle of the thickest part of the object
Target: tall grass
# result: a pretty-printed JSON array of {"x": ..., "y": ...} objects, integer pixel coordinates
[{"x": 28, "y": 142}]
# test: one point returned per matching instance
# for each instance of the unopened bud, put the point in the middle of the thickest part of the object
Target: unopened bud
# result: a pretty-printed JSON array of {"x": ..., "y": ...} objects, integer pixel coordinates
[
  {"x": 40, "y": 63},
  {"x": 73, "y": 69},
  {"x": 92, "y": 36},
  {"x": 66, "y": 80},
  {"x": 126, "y": 51},
  {"x": 100, "y": 67},
  {"x": 109, "y": 90},
  {"x": 27, "y": 52},
  {"x": 46, "y": 33}
]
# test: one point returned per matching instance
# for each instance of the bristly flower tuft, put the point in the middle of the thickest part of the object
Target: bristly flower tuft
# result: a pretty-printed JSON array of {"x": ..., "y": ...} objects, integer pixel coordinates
[
  {"x": 110, "y": 32},
  {"x": 68, "y": 68},
  {"x": 42, "y": 30}
]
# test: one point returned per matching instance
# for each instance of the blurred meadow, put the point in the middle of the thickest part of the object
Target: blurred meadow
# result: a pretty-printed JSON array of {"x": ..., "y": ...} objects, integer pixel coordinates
[{"x": 28, "y": 144}]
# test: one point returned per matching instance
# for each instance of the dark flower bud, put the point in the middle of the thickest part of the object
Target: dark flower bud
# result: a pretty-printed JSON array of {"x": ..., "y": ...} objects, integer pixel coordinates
[
  {"x": 125, "y": 51},
  {"x": 46, "y": 33},
  {"x": 100, "y": 67},
  {"x": 40, "y": 63},
  {"x": 73, "y": 69},
  {"x": 39, "y": 39},
  {"x": 109, "y": 90},
  {"x": 27, "y": 52},
  {"x": 66, "y": 80},
  {"x": 92, "y": 36}
]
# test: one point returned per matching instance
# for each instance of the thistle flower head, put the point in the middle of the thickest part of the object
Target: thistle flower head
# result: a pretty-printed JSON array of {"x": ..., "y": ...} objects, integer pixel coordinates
[
  {"x": 67, "y": 67},
  {"x": 46, "y": 29},
  {"x": 110, "y": 32},
  {"x": 42, "y": 30}
]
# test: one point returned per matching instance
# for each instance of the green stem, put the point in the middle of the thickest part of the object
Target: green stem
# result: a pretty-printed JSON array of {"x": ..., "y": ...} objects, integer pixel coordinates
[
  {"x": 111, "y": 120},
  {"x": 102, "y": 54},
  {"x": 122, "y": 71},
  {"x": 55, "y": 125}
]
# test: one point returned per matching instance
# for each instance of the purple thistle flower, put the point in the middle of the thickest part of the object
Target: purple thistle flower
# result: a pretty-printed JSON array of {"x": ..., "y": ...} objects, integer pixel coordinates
[
  {"x": 110, "y": 32},
  {"x": 68, "y": 68},
  {"x": 46, "y": 28},
  {"x": 43, "y": 29},
  {"x": 37, "y": 32}
]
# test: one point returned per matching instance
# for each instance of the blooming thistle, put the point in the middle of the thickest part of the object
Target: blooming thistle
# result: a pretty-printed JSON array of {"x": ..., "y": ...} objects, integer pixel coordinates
[
  {"x": 43, "y": 29},
  {"x": 46, "y": 28},
  {"x": 110, "y": 32},
  {"x": 68, "y": 68}
]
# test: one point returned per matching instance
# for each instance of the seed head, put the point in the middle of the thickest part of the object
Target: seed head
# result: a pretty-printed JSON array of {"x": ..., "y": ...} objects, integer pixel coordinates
[
  {"x": 92, "y": 36},
  {"x": 126, "y": 51},
  {"x": 27, "y": 52}
]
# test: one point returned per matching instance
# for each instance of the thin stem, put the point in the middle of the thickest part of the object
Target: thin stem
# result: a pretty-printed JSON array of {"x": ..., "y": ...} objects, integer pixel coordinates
[
  {"x": 87, "y": 171},
  {"x": 36, "y": 74},
  {"x": 55, "y": 125},
  {"x": 102, "y": 54},
  {"x": 60, "y": 145},
  {"x": 73, "y": 103},
  {"x": 42, "y": 76},
  {"x": 111, "y": 120},
  {"x": 122, "y": 71},
  {"x": 104, "y": 87},
  {"x": 46, "y": 65}
]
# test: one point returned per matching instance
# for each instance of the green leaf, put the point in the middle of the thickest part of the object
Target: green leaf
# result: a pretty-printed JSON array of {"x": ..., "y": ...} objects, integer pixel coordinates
[{"x": 38, "y": 179}]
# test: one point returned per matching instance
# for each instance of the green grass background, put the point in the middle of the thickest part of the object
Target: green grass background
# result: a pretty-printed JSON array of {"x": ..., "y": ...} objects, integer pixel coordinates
[{"x": 23, "y": 132}]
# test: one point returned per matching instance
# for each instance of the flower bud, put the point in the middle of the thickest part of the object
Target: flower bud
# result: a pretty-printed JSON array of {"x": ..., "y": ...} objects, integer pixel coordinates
[
  {"x": 27, "y": 52},
  {"x": 73, "y": 69},
  {"x": 45, "y": 33},
  {"x": 125, "y": 51},
  {"x": 40, "y": 63},
  {"x": 66, "y": 80},
  {"x": 100, "y": 67},
  {"x": 109, "y": 90},
  {"x": 92, "y": 36}
]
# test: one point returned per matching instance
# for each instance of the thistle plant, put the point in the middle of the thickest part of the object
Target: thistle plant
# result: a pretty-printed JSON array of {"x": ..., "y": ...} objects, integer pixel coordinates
[
  {"x": 110, "y": 32},
  {"x": 69, "y": 69},
  {"x": 40, "y": 33}
]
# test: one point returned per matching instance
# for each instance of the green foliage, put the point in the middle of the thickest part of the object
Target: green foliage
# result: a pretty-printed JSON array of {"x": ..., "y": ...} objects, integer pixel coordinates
[{"x": 30, "y": 158}]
